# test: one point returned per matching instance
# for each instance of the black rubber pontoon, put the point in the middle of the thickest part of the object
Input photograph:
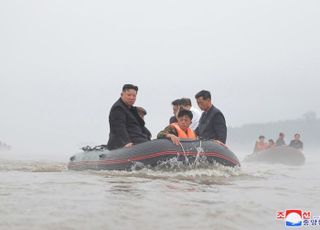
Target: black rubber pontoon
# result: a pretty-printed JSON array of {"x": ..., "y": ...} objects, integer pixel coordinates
[{"x": 153, "y": 153}]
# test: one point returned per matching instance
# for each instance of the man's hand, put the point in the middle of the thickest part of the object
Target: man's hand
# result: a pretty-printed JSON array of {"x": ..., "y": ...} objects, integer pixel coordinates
[
  {"x": 128, "y": 145},
  {"x": 219, "y": 143},
  {"x": 175, "y": 140}
]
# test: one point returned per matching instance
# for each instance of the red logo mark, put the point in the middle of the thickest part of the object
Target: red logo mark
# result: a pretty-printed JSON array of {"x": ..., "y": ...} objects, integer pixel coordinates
[
  {"x": 299, "y": 212},
  {"x": 280, "y": 215},
  {"x": 306, "y": 215}
]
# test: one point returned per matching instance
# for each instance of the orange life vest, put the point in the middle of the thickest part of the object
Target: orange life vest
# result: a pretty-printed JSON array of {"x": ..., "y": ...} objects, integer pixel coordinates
[
  {"x": 182, "y": 134},
  {"x": 260, "y": 146}
]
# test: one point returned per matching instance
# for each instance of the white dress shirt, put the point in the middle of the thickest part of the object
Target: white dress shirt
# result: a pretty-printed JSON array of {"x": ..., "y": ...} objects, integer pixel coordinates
[{"x": 196, "y": 117}]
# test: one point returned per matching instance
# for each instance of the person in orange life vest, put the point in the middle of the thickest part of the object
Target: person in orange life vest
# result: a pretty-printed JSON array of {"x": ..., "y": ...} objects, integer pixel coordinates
[
  {"x": 185, "y": 103},
  {"x": 180, "y": 129},
  {"x": 260, "y": 144}
]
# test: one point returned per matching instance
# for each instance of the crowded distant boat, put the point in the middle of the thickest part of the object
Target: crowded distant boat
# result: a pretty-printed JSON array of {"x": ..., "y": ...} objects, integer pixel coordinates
[{"x": 278, "y": 152}]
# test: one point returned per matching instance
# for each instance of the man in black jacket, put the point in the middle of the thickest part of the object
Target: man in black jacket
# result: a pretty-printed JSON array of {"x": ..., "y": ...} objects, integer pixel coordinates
[
  {"x": 212, "y": 124},
  {"x": 127, "y": 128},
  {"x": 296, "y": 142}
]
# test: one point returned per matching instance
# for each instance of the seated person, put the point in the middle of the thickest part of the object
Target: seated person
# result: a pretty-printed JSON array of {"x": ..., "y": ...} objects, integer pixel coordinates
[
  {"x": 180, "y": 129},
  {"x": 296, "y": 142},
  {"x": 280, "y": 141},
  {"x": 127, "y": 128},
  {"x": 185, "y": 103},
  {"x": 260, "y": 144},
  {"x": 142, "y": 112},
  {"x": 271, "y": 143},
  {"x": 175, "y": 107}
]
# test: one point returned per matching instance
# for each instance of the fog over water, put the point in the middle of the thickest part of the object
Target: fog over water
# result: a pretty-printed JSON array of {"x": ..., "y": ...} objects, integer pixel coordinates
[{"x": 63, "y": 64}]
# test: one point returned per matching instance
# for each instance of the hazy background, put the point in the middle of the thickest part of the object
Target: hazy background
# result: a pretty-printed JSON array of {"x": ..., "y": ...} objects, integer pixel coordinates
[{"x": 63, "y": 63}]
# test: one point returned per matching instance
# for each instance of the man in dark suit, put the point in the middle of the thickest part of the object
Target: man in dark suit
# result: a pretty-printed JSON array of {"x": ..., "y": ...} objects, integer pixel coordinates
[
  {"x": 296, "y": 142},
  {"x": 212, "y": 124},
  {"x": 127, "y": 128}
]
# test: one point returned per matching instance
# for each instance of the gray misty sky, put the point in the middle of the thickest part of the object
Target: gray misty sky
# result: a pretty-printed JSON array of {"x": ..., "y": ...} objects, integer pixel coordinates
[{"x": 63, "y": 63}]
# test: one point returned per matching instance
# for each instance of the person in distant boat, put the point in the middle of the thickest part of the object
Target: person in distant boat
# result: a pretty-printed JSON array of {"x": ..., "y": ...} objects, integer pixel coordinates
[
  {"x": 296, "y": 142},
  {"x": 212, "y": 124},
  {"x": 185, "y": 103},
  {"x": 180, "y": 129},
  {"x": 260, "y": 144},
  {"x": 280, "y": 141},
  {"x": 175, "y": 107},
  {"x": 127, "y": 128},
  {"x": 271, "y": 143}
]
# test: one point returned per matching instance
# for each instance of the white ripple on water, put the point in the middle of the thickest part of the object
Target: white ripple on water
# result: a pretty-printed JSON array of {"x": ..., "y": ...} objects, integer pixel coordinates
[{"x": 32, "y": 166}]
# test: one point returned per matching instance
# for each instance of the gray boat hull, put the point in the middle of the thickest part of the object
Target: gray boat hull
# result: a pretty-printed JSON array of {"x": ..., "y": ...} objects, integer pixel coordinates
[
  {"x": 153, "y": 153},
  {"x": 282, "y": 155}
]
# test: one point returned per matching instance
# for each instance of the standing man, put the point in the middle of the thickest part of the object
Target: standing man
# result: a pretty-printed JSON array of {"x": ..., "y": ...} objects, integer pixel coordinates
[
  {"x": 212, "y": 124},
  {"x": 127, "y": 128}
]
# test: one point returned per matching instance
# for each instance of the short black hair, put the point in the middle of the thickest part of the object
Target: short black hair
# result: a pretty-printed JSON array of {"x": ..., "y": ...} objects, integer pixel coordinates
[
  {"x": 176, "y": 102},
  {"x": 184, "y": 112},
  {"x": 185, "y": 101},
  {"x": 261, "y": 136},
  {"x": 141, "y": 110},
  {"x": 205, "y": 94},
  {"x": 129, "y": 86}
]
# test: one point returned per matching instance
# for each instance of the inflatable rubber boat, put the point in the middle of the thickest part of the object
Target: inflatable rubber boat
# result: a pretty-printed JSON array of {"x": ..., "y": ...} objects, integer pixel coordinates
[
  {"x": 152, "y": 154},
  {"x": 282, "y": 155}
]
